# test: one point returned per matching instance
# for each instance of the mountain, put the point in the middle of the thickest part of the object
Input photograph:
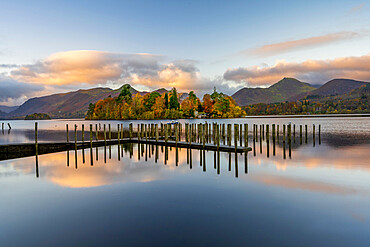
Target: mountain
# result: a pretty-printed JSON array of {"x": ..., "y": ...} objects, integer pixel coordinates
[
  {"x": 331, "y": 88},
  {"x": 7, "y": 109},
  {"x": 69, "y": 105},
  {"x": 64, "y": 105},
  {"x": 278, "y": 92},
  {"x": 337, "y": 87}
]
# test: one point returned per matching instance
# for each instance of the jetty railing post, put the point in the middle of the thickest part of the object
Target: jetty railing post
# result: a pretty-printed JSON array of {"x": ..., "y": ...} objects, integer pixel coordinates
[
  {"x": 229, "y": 134},
  {"x": 319, "y": 134},
  {"x": 190, "y": 134},
  {"x": 165, "y": 133},
  {"x": 300, "y": 134},
  {"x": 110, "y": 133},
  {"x": 186, "y": 131},
  {"x": 156, "y": 133},
  {"x": 305, "y": 132},
  {"x": 75, "y": 136},
  {"x": 105, "y": 136},
  {"x": 313, "y": 134},
  {"x": 2, "y": 125},
  {"x": 236, "y": 126},
  {"x": 83, "y": 133},
  {"x": 277, "y": 133},
  {"x": 67, "y": 133},
  {"x": 36, "y": 144},
  {"x": 176, "y": 133},
  {"x": 138, "y": 134},
  {"x": 122, "y": 134},
  {"x": 96, "y": 132},
  {"x": 118, "y": 136},
  {"x": 267, "y": 132},
  {"x": 245, "y": 135},
  {"x": 294, "y": 132},
  {"x": 130, "y": 131},
  {"x": 254, "y": 132},
  {"x": 289, "y": 133},
  {"x": 283, "y": 133},
  {"x": 146, "y": 132},
  {"x": 203, "y": 140},
  {"x": 91, "y": 135},
  {"x": 241, "y": 134}
]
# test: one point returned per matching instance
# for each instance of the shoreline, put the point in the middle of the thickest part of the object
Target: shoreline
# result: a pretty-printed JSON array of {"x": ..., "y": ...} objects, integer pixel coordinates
[{"x": 251, "y": 116}]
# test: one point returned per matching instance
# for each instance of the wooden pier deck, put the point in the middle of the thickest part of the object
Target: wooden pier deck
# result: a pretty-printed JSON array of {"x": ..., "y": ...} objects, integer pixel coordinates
[{"x": 14, "y": 151}]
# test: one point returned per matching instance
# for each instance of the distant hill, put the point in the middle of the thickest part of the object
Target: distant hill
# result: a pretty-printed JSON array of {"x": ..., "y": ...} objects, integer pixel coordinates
[
  {"x": 7, "y": 109},
  {"x": 278, "y": 92},
  {"x": 337, "y": 87},
  {"x": 68, "y": 105},
  {"x": 333, "y": 87}
]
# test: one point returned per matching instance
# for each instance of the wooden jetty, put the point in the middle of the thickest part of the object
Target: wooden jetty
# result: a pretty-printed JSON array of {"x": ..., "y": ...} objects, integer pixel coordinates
[
  {"x": 196, "y": 137},
  {"x": 202, "y": 136}
]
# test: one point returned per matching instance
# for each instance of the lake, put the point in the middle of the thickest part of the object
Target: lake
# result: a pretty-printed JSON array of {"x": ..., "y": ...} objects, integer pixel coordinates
[{"x": 316, "y": 194}]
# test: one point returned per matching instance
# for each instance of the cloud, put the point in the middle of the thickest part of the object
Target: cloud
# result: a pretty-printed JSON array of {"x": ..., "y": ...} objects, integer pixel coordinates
[
  {"x": 300, "y": 44},
  {"x": 13, "y": 92},
  {"x": 313, "y": 71},
  {"x": 356, "y": 8},
  {"x": 75, "y": 68},
  {"x": 11, "y": 66}
]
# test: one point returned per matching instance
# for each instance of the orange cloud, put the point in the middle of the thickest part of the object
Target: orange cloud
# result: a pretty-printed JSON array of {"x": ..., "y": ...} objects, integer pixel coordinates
[
  {"x": 300, "y": 44},
  {"x": 98, "y": 67},
  {"x": 317, "y": 71}
]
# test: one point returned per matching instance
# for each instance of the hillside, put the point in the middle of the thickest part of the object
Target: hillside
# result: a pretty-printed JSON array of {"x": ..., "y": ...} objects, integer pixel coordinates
[
  {"x": 7, "y": 109},
  {"x": 68, "y": 105},
  {"x": 64, "y": 105},
  {"x": 331, "y": 88},
  {"x": 337, "y": 87},
  {"x": 278, "y": 92}
]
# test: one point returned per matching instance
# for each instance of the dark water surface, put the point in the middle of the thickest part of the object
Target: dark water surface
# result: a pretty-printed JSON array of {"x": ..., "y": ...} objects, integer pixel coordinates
[{"x": 316, "y": 194}]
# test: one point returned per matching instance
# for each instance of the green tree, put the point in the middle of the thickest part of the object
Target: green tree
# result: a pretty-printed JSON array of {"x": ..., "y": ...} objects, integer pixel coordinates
[
  {"x": 166, "y": 100},
  {"x": 174, "y": 102},
  {"x": 125, "y": 94}
]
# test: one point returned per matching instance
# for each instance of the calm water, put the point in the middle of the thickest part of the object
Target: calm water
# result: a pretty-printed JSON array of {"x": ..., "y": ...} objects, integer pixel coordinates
[{"x": 318, "y": 194}]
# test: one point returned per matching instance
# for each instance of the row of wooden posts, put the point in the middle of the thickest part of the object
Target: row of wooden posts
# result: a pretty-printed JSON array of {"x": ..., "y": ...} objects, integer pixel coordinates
[
  {"x": 9, "y": 126},
  {"x": 287, "y": 132},
  {"x": 201, "y": 133}
]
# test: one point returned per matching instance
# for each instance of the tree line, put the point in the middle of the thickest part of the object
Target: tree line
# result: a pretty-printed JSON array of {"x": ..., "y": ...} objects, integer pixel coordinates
[{"x": 163, "y": 106}]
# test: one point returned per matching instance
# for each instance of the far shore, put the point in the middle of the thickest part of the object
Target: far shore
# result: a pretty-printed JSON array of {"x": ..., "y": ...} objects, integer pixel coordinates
[{"x": 254, "y": 116}]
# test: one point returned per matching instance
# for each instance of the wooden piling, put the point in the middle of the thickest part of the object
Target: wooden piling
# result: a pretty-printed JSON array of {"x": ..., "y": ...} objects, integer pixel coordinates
[
  {"x": 118, "y": 136},
  {"x": 277, "y": 133},
  {"x": 186, "y": 132},
  {"x": 166, "y": 133},
  {"x": 283, "y": 133},
  {"x": 91, "y": 136},
  {"x": 67, "y": 132},
  {"x": 36, "y": 144},
  {"x": 156, "y": 133},
  {"x": 289, "y": 133},
  {"x": 245, "y": 135},
  {"x": 83, "y": 133},
  {"x": 267, "y": 132},
  {"x": 236, "y": 127},
  {"x": 313, "y": 134},
  {"x": 305, "y": 127},
  {"x": 96, "y": 132},
  {"x": 105, "y": 136},
  {"x": 75, "y": 135},
  {"x": 109, "y": 132},
  {"x": 130, "y": 131}
]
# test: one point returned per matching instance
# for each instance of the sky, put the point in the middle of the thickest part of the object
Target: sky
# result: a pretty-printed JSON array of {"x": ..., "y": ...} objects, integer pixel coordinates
[{"x": 50, "y": 47}]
